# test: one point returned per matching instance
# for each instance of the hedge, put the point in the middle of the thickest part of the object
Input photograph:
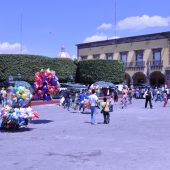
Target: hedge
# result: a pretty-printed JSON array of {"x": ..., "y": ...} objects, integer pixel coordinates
[
  {"x": 27, "y": 65},
  {"x": 90, "y": 71}
]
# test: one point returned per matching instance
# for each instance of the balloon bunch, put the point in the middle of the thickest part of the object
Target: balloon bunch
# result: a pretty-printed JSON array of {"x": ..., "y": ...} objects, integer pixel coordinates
[
  {"x": 46, "y": 84},
  {"x": 20, "y": 96},
  {"x": 13, "y": 118}
]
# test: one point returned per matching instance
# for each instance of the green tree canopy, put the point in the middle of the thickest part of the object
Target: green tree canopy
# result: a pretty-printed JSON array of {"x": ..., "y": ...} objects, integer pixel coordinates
[
  {"x": 28, "y": 65},
  {"x": 90, "y": 71}
]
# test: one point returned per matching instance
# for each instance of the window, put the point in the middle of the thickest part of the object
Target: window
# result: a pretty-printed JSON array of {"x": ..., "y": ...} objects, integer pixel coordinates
[
  {"x": 84, "y": 57},
  {"x": 109, "y": 56},
  {"x": 157, "y": 56},
  {"x": 139, "y": 57},
  {"x": 96, "y": 56},
  {"x": 123, "y": 56}
]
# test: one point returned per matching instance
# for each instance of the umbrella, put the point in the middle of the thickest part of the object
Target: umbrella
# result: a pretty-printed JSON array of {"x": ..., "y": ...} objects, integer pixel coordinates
[{"x": 104, "y": 84}]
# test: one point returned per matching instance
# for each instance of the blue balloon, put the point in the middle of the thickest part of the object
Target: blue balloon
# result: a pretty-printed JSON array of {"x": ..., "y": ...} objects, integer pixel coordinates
[
  {"x": 47, "y": 97},
  {"x": 44, "y": 89},
  {"x": 24, "y": 103},
  {"x": 54, "y": 82},
  {"x": 45, "y": 80}
]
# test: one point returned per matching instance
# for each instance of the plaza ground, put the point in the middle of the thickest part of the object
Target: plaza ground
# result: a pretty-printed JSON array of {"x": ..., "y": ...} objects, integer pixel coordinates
[{"x": 136, "y": 139}]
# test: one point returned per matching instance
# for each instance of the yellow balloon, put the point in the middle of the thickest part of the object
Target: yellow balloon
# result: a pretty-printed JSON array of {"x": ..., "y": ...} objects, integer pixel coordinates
[{"x": 24, "y": 96}]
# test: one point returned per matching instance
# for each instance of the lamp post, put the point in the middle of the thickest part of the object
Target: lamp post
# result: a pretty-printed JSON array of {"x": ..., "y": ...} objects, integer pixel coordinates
[
  {"x": 71, "y": 78},
  {"x": 18, "y": 76}
]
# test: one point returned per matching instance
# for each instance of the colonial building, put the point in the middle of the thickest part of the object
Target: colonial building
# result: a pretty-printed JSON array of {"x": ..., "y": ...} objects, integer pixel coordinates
[{"x": 146, "y": 57}]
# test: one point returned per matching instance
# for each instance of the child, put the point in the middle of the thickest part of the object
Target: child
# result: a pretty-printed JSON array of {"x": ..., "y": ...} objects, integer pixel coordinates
[
  {"x": 123, "y": 101},
  {"x": 105, "y": 111}
]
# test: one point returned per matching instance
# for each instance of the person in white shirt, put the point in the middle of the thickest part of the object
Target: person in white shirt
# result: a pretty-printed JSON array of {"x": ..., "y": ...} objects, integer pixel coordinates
[
  {"x": 93, "y": 106},
  {"x": 3, "y": 97}
]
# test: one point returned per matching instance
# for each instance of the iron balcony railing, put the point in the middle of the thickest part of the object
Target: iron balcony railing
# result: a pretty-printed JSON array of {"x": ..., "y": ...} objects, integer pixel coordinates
[
  {"x": 137, "y": 64},
  {"x": 156, "y": 63}
]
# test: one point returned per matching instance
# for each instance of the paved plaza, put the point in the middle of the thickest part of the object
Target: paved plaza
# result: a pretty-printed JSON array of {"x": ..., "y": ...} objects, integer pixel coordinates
[{"x": 136, "y": 139}]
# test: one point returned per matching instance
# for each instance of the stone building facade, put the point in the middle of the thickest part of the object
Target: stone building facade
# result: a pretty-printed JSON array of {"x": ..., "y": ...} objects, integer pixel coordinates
[{"x": 146, "y": 57}]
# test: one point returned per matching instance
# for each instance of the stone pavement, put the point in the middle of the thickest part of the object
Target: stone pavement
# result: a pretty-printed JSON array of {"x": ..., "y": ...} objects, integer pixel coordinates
[{"x": 136, "y": 139}]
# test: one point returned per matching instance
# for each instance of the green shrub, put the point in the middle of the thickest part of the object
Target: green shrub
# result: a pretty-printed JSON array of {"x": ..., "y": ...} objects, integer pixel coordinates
[
  {"x": 27, "y": 65},
  {"x": 90, "y": 71}
]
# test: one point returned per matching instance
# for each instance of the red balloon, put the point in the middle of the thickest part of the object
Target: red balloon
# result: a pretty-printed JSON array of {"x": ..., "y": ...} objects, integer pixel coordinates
[
  {"x": 49, "y": 77},
  {"x": 36, "y": 86},
  {"x": 40, "y": 83},
  {"x": 45, "y": 74},
  {"x": 40, "y": 93}
]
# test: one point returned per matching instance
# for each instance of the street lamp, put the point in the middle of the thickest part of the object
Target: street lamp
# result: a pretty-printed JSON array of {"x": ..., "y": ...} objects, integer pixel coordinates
[
  {"x": 71, "y": 78},
  {"x": 10, "y": 78},
  {"x": 19, "y": 76}
]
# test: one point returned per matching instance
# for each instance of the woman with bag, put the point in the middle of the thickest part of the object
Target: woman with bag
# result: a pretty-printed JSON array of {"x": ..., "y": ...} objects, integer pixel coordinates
[{"x": 105, "y": 111}]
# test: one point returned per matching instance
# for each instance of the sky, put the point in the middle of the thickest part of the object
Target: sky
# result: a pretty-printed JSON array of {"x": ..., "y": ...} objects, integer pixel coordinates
[{"x": 42, "y": 27}]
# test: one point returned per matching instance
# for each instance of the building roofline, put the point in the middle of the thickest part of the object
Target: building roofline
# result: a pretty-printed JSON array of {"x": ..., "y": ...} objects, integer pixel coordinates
[{"x": 146, "y": 37}]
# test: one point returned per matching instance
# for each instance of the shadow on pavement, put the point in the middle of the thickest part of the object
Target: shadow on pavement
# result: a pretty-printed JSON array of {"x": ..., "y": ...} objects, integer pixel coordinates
[
  {"x": 86, "y": 113},
  {"x": 2, "y": 130},
  {"x": 41, "y": 121},
  {"x": 100, "y": 123},
  {"x": 87, "y": 122}
]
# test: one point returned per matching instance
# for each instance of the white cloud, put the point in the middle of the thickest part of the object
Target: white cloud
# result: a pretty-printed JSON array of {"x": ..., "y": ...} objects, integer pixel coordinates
[
  {"x": 113, "y": 37},
  {"x": 104, "y": 26},
  {"x": 15, "y": 48},
  {"x": 141, "y": 22},
  {"x": 94, "y": 38}
]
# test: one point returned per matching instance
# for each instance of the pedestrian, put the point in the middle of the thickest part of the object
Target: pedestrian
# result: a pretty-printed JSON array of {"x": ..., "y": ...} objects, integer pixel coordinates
[
  {"x": 82, "y": 98},
  {"x": 3, "y": 97},
  {"x": 165, "y": 98},
  {"x": 124, "y": 100},
  {"x": 105, "y": 111},
  {"x": 66, "y": 102},
  {"x": 111, "y": 103},
  {"x": 158, "y": 96},
  {"x": 115, "y": 96},
  {"x": 93, "y": 99},
  {"x": 9, "y": 95},
  {"x": 148, "y": 97},
  {"x": 130, "y": 95}
]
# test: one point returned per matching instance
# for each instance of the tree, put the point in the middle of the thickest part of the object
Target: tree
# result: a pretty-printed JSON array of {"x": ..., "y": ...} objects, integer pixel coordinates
[{"x": 90, "y": 71}]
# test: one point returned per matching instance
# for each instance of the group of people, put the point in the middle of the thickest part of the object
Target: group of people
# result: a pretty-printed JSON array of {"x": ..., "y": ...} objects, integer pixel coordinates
[
  {"x": 88, "y": 99},
  {"x": 5, "y": 95}
]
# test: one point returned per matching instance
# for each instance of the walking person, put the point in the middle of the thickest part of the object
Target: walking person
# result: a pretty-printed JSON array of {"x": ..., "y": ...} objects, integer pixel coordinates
[
  {"x": 93, "y": 99},
  {"x": 130, "y": 95},
  {"x": 165, "y": 96},
  {"x": 111, "y": 103},
  {"x": 124, "y": 100},
  {"x": 3, "y": 97},
  {"x": 66, "y": 102},
  {"x": 105, "y": 111},
  {"x": 82, "y": 98},
  {"x": 148, "y": 97},
  {"x": 115, "y": 96}
]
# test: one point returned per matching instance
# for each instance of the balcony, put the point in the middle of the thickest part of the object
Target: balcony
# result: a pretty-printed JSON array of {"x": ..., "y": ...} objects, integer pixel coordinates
[
  {"x": 135, "y": 65},
  {"x": 156, "y": 64}
]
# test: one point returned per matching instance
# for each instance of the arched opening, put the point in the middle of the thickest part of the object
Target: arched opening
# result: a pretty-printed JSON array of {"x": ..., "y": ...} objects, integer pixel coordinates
[
  {"x": 127, "y": 79},
  {"x": 139, "y": 78},
  {"x": 157, "y": 79}
]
